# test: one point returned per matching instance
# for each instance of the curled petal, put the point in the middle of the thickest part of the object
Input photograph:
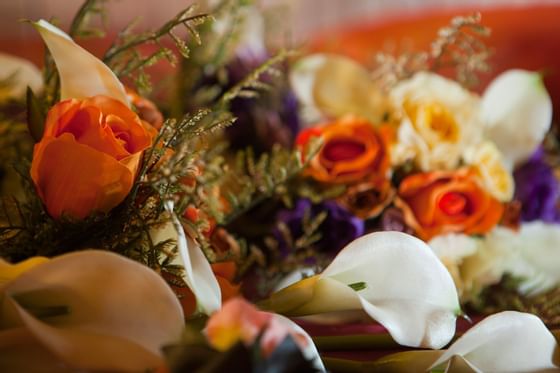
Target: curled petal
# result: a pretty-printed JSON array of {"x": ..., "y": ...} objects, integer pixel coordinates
[
  {"x": 517, "y": 111},
  {"x": 394, "y": 277},
  {"x": 505, "y": 342},
  {"x": 8, "y": 271},
  {"x": 198, "y": 273},
  {"x": 81, "y": 73},
  {"x": 90, "y": 301}
]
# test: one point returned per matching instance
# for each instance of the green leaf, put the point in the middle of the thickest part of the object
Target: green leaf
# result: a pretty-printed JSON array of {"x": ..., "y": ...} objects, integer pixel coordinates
[{"x": 35, "y": 115}]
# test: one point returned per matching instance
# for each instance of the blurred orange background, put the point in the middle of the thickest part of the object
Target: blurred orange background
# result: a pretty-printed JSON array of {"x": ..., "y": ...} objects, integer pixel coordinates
[{"x": 525, "y": 34}]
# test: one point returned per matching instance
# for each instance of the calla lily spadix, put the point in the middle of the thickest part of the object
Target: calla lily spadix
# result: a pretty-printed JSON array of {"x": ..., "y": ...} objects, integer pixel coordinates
[
  {"x": 198, "y": 273},
  {"x": 85, "y": 311},
  {"x": 81, "y": 73},
  {"x": 393, "y": 277},
  {"x": 506, "y": 342},
  {"x": 335, "y": 86}
]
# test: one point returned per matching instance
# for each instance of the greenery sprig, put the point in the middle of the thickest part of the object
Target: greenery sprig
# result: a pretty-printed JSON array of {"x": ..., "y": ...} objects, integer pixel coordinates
[
  {"x": 126, "y": 59},
  {"x": 458, "y": 47}
]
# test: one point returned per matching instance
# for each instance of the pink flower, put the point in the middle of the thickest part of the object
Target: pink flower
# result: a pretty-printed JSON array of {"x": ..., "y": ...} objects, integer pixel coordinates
[{"x": 240, "y": 321}]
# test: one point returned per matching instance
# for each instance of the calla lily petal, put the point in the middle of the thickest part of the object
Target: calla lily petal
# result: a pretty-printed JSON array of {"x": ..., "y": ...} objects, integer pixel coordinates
[
  {"x": 337, "y": 86},
  {"x": 89, "y": 310},
  {"x": 198, "y": 273},
  {"x": 19, "y": 74},
  {"x": 81, "y": 73},
  {"x": 310, "y": 351},
  {"x": 394, "y": 277},
  {"x": 517, "y": 111},
  {"x": 8, "y": 271},
  {"x": 505, "y": 342}
]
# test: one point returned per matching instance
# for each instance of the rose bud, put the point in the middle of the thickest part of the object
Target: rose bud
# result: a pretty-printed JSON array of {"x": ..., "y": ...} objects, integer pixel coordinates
[{"x": 89, "y": 156}]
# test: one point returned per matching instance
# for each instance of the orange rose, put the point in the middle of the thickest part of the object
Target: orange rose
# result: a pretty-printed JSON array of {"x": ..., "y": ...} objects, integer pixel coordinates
[
  {"x": 89, "y": 155},
  {"x": 352, "y": 150},
  {"x": 146, "y": 109},
  {"x": 443, "y": 202}
]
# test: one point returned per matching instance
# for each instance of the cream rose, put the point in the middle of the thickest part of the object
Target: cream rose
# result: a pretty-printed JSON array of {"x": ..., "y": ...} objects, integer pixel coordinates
[
  {"x": 440, "y": 119},
  {"x": 492, "y": 170}
]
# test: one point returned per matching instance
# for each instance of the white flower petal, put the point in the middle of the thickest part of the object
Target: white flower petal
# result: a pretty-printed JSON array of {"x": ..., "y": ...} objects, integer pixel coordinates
[
  {"x": 454, "y": 246},
  {"x": 19, "y": 74},
  {"x": 81, "y": 73},
  {"x": 198, "y": 273},
  {"x": 336, "y": 86},
  {"x": 534, "y": 256},
  {"x": 505, "y": 342},
  {"x": 310, "y": 352},
  {"x": 115, "y": 307},
  {"x": 402, "y": 284},
  {"x": 517, "y": 111}
]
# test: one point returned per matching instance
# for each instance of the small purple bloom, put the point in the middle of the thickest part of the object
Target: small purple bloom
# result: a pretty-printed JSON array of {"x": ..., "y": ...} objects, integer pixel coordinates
[
  {"x": 538, "y": 190},
  {"x": 338, "y": 229},
  {"x": 268, "y": 119}
]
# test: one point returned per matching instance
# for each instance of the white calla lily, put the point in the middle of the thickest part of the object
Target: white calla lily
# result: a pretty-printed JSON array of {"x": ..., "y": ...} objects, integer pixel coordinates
[
  {"x": 517, "y": 111},
  {"x": 310, "y": 351},
  {"x": 336, "y": 86},
  {"x": 198, "y": 274},
  {"x": 88, "y": 311},
  {"x": 505, "y": 342},
  {"x": 394, "y": 277},
  {"x": 81, "y": 73},
  {"x": 18, "y": 74}
]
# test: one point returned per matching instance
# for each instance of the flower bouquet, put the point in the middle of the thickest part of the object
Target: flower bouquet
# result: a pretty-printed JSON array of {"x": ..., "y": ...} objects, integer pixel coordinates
[{"x": 263, "y": 195}]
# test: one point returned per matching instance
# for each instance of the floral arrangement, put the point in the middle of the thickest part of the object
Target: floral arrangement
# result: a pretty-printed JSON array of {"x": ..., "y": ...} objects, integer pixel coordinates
[{"x": 140, "y": 236}]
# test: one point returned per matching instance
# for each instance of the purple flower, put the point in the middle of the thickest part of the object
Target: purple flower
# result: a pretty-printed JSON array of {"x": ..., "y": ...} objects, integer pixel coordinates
[
  {"x": 337, "y": 230},
  {"x": 262, "y": 121},
  {"x": 538, "y": 190}
]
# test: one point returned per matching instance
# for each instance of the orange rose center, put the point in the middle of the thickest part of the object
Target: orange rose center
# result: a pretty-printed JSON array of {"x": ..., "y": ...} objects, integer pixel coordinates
[
  {"x": 343, "y": 150},
  {"x": 453, "y": 203}
]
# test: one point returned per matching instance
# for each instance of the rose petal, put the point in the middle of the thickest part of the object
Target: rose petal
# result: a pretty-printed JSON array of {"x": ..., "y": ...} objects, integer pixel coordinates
[
  {"x": 505, "y": 342},
  {"x": 81, "y": 73},
  {"x": 75, "y": 179}
]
